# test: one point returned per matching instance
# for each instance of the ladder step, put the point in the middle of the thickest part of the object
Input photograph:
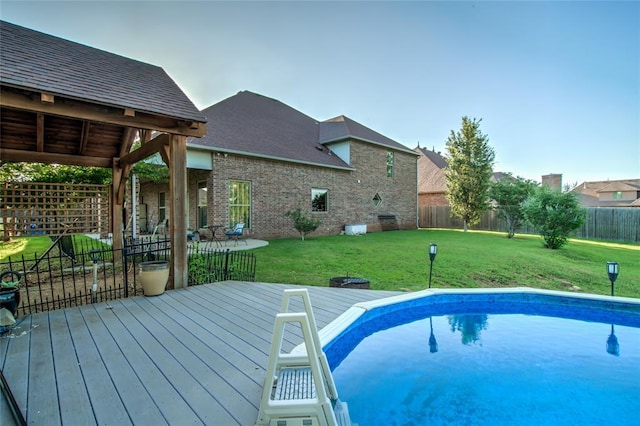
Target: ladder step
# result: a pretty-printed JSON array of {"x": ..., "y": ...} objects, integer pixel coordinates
[{"x": 295, "y": 383}]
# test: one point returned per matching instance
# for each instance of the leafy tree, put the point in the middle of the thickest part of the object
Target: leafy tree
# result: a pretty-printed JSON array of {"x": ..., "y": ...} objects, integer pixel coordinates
[
  {"x": 469, "y": 170},
  {"x": 302, "y": 223},
  {"x": 554, "y": 214},
  {"x": 57, "y": 173},
  {"x": 510, "y": 195},
  {"x": 54, "y": 173}
]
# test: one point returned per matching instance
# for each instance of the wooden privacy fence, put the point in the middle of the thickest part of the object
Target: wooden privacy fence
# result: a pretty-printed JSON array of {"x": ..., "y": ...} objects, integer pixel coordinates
[
  {"x": 601, "y": 223},
  {"x": 32, "y": 208}
]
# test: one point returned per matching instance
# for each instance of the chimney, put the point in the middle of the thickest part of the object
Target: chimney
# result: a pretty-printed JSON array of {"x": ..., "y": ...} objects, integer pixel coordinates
[{"x": 553, "y": 181}]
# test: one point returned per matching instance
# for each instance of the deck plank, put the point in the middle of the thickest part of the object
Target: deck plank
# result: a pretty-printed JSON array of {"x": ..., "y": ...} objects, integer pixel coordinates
[
  {"x": 42, "y": 399},
  {"x": 75, "y": 405},
  {"x": 167, "y": 353},
  {"x": 137, "y": 402},
  {"x": 16, "y": 343},
  {"x": 131, "y": 340},
  {"x": 190, "y": 356}
]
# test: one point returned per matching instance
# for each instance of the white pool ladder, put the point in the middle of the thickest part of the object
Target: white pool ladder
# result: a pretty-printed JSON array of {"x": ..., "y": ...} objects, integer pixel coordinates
[{"x": 291, "y": 396}]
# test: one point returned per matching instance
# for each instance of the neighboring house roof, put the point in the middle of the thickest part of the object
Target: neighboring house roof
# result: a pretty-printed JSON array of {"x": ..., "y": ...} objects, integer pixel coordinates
[
  {"x": 341, "y": 128},
  {"x": 255, "y": 125},
  {"x": 45, "y": 63},
  {"x": 593, "y": 187},
  {"x": 431, "y": 177},
  {"x": 588, "y": 193},
  {"x": 619, "y": 186}
]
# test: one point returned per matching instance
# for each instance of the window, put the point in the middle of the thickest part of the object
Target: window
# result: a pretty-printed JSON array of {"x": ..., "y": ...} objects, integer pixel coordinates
[
  {"x": 202, "y": 205},
  {"x": 617, "y": 195},
  {"x": 239, "y": 203},
  {"x": 377, "y": 199},
  {"x": 389, "y": 164},
  {"x": 162, "y": 206},
  {"x": 319, "y": 200}
]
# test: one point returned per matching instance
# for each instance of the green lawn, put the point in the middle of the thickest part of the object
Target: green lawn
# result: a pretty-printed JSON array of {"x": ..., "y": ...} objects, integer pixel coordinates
[
  {"x": 399, "y": 260},
  {"x": 35, "y": 246}
]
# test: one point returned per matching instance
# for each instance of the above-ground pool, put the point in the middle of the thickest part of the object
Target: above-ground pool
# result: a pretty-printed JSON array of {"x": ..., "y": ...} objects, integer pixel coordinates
[{"x": 519, "y": 356}]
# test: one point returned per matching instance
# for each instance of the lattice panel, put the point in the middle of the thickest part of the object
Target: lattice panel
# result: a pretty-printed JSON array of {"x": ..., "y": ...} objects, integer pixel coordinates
[{"x": 29, "y": 208}]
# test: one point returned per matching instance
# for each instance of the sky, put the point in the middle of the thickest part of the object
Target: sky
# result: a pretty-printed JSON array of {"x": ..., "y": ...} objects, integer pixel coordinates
[{"x": 556, "y": 84}]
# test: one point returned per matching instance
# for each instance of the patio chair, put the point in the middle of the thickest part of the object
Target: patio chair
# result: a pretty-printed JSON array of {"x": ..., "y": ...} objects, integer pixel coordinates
[{"x": 236, "y": 234}]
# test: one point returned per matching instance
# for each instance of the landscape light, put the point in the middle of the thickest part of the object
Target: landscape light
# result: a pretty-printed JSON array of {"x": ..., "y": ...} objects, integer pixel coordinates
[
  {"x": 433, "y": 250},
  {"x": 612, "y": 270}
]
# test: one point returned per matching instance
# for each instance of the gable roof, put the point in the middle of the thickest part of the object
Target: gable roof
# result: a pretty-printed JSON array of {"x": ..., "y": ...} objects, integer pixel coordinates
[
  {"x": 255, "y": 125},
  {"x": 41, "y": 62},
  {"x": 431, "y": 176},
  {"x": 618, "y": 186},
  {"x": 593, "y": 187},
  {"x": 342, "y": 128},
  {"x": 436, "y": 158}
]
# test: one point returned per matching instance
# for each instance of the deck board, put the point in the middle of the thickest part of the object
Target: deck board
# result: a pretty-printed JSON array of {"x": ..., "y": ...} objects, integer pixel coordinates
[{"x": 191, "y": 356}]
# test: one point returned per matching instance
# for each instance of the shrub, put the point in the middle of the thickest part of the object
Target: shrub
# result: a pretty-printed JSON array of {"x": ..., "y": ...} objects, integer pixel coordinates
[
  {"x": 554, "y": 215},
  {"x": 302, "y": 223}
]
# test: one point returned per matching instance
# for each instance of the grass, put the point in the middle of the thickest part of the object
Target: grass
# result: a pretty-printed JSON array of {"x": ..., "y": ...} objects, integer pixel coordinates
[
  {"x": 35, "y": 246},
  {"x": 399, "y": 261}
]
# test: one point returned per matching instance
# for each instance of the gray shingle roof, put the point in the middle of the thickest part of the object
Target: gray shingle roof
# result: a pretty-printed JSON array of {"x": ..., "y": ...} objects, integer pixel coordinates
[
  {"x": 260, "y": 126},
  {"x": 341, "y": 128},
  {"x": 36, "y": 61},
  {"x": 435, "y": 157}
]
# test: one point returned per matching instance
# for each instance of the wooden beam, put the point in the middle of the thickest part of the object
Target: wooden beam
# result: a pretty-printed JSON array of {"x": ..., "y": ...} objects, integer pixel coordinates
[
  {"x": 166, "y": 155},
  {"x": 146, "y": 150},
  {"x": 47, "y": 98},
  {"x": 17, "y": 155},
  {"x": 40, "y": 132},
  {"x": 84, "y": 137},
  {"x": 101, "y": 114},
  {"x": 128, "y": 112},
  {"x": 178, "y": 210},
  {"x": 122, "y": 184},
  {"x": 127, "y": 141}
]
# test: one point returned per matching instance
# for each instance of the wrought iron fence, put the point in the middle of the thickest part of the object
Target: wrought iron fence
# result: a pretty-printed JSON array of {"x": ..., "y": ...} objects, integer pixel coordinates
[{"x": 95, "y": 272}]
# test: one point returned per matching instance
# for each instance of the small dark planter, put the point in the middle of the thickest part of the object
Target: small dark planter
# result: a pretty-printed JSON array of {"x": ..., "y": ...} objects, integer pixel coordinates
[
  {"x": 10, "y": 299},
  {"x": 349, "y": 282}
]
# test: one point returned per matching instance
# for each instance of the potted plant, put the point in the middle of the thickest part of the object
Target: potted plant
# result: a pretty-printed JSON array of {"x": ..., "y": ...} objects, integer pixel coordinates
[{"x": 154, "y": 275}]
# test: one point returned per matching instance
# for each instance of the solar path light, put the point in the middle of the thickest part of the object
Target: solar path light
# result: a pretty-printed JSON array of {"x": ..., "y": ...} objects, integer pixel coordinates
[
  {"x": 433, "y": 250},
  {"x": 612, "y": 269}
]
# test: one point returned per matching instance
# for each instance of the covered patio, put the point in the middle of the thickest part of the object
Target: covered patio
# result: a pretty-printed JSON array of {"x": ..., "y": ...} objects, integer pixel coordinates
[{"x": 190, "y": 356}]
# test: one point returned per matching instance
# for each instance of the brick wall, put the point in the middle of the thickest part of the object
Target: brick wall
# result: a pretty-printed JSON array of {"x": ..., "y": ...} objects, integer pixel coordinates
[
  {"x": 278, "y": 186},
  {"x": 432, "y": 199}
]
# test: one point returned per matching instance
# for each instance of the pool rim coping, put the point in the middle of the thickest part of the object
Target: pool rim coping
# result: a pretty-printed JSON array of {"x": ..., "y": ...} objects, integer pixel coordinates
[{"x": 351, "y": 315}]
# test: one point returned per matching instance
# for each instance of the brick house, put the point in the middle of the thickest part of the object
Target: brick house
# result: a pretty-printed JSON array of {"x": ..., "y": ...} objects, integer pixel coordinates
[
  {"x": 262, "y": 158},
  {"x": 432, "y": 183},
  {"x": 609, "y": 193}
]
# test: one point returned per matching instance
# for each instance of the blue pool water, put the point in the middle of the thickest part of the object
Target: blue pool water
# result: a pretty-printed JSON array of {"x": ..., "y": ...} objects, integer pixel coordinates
[{"x": 472, "y": 361}]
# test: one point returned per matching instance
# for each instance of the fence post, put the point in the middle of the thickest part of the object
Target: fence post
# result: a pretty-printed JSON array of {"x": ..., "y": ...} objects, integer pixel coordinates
[{"x": 226, "y": 265}]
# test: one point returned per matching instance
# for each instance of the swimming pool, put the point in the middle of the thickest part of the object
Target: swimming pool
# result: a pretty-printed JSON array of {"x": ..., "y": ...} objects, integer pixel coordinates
[{"x": 516, "y": 356}]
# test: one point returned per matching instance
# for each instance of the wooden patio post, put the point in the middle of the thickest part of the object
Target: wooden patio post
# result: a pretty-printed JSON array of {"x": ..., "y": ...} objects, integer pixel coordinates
[
  {"x": 178, "y": 210},
  {"x": 115, "y": 204}
]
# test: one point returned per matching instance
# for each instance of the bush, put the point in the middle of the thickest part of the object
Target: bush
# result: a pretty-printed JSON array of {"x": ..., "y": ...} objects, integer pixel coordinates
[
  {"x": 554, "y": 215},
  {"x": 302, "y": 223}
]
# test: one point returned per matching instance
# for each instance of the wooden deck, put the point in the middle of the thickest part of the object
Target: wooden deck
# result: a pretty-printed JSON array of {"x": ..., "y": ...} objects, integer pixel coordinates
[{"x": 192, "y": 356}]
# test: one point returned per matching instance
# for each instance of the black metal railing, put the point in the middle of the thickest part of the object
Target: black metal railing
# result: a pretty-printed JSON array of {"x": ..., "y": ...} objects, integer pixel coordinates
[{"x": 96, "y": 272}]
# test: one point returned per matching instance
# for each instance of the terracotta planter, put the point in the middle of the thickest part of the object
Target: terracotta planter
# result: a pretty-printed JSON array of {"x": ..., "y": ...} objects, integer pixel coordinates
[{"x": 154, "y": 276}]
